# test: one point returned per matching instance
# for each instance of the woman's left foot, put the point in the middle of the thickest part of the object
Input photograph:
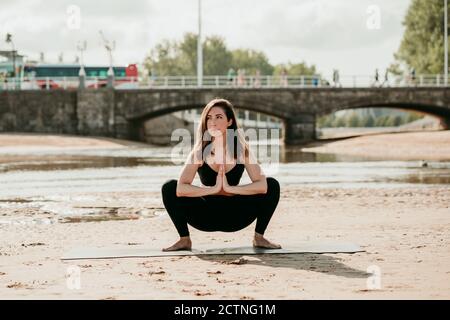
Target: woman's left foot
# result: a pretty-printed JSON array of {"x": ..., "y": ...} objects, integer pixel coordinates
[{"x": 261, "y": 242}]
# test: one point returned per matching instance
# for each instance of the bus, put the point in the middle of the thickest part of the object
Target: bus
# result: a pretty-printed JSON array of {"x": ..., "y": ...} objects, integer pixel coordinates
[{"x": 56, "y": 76}]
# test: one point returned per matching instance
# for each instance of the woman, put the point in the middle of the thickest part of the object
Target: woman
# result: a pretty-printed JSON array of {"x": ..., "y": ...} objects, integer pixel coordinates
[{"x": 220, "y": 156}]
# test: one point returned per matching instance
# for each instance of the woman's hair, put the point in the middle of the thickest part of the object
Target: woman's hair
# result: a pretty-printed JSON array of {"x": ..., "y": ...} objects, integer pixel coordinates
[{"x": 235, "y": 139}]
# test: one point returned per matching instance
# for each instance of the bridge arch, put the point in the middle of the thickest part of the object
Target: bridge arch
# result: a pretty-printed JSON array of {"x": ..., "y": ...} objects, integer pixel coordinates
[
  {"x": 431, "y": 109},
  {"x": 136, "y": 121}
]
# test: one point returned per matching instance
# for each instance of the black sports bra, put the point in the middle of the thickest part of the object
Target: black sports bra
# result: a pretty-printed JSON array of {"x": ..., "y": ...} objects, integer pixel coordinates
[{"x": 208, "y": 175}]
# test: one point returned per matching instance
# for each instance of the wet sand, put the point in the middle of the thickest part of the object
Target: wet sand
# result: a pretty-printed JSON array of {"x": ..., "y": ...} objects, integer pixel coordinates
[
  {"x": 404, "y": 232},
  {"x": 433, "y": 145},
  {"x": 12, "y": 141}
]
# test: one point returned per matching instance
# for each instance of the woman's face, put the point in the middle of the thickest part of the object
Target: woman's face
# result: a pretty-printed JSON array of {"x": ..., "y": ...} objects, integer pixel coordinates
[{"x": 216, "y": 122}]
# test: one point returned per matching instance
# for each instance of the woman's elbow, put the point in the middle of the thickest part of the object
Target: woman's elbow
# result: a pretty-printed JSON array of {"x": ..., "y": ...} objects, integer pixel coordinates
[
  {"x": 179, "y": 191},
  {"x": 264, "y": 186}
]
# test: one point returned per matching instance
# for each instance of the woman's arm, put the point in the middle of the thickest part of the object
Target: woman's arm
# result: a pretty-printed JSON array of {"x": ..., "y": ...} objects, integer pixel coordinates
[
  {"x": 259, "y": 181},
  {"x": 184, "y": 185}
]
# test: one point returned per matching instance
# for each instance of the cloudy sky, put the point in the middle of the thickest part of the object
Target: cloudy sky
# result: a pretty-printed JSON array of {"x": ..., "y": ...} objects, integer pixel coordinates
[{"x": 354, "y": 36}]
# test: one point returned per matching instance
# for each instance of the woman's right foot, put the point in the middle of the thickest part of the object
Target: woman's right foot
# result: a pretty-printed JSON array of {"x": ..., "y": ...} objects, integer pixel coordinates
[
  {"x": 260, "y": 242},
  {"x": 184, "y": 243}
]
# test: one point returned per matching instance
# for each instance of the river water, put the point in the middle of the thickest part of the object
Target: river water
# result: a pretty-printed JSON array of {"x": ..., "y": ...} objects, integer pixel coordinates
[{"x": 48, "y": 175}]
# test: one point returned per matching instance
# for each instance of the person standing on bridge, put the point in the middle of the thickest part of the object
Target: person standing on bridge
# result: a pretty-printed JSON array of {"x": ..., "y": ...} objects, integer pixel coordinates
[
  {"x": 241, "y": 77},
  {"x": 336, "y": 81},
  {"x": 284, "y": 78},
  {"x": 2, "y": 80},
  {"x": 386, "y": 79},
  {"x": 413, "y": 76},
  {"x": 257, "y": 81},
  {"x": 231, "y": 75},
  {"x": 376, "y": 81},
  {"x": 220, "y": 155}
]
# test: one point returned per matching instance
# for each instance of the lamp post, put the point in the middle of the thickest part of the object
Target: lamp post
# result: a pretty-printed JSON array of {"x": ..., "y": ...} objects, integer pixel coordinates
[
  {"x": 199, "y": 47},
  {"x": 109, "y": 48},
  {"x": 82, "y": 73}
]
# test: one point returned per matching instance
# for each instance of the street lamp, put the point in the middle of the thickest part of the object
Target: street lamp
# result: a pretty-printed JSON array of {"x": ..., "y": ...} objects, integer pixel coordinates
[
  {"x": 109, "y": 48},
  {"x": 9, "y": 40},
  {"x": 82, "y": 73},
  {"x": 199, "y": 46}
]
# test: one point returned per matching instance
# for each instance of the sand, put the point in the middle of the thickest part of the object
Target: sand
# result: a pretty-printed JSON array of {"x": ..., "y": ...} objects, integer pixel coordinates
[
  {"x": 10, "y": 141},
  {"x": 433, "y": 145},
  {"x": 404, "y": 232}
]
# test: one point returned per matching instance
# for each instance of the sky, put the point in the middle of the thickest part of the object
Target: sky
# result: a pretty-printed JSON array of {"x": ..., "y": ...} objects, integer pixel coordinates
[{"x": 353, "y": 36}]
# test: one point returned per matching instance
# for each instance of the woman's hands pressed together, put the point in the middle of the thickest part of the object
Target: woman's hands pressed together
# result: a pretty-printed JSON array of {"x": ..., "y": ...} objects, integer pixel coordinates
[
  {"x": 225, "y": 186},
  {"x": 222, "y": 187}
]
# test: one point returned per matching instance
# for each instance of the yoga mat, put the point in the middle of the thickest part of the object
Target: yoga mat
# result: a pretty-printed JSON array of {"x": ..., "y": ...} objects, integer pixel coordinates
[{"x": 145, "y": 251}]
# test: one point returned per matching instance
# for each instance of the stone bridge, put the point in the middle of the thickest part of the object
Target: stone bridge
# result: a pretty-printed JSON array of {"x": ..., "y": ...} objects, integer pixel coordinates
[{"x": 122, "y": 113}]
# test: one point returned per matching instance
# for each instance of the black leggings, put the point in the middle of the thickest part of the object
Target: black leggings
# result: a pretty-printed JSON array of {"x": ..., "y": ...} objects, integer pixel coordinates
[{"x": 218, "y": 212}]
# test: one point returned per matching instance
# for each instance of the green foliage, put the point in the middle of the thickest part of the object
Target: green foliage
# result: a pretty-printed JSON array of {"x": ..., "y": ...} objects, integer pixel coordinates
[
  {"x": 368, "y": 122},
  {"x": 352, "y": 121},
  {"x": 180, "y": 58},
  {"x": 413, "y": 116},
  {"x": 422, "y": 47},
  {"x": 251, "y": 60},
  {"x": 295, "y": 69},
  {"x": 339, "y": 122},
  {"x": 216, "y": 58},
  {"x": 356, "y": 120}
]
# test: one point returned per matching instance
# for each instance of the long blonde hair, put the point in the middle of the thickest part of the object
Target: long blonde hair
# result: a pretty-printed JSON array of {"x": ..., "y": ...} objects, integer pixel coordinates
[{"x": 238, "y": 147}]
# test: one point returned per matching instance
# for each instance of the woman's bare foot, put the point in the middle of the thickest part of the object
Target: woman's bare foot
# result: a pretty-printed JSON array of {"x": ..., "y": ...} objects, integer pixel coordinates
[
  {"x": 184, "y": 243},
  {"x": 260, "y": 242}
]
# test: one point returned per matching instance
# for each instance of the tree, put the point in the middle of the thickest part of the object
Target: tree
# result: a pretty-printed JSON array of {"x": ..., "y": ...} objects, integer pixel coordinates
[
  {"x": 339, "y": 122},
  {"x": 352, "y": 120},
  {"x": 393, "y": 121},
  {"x": 326, "y": 121},
  {"x": 217, "y": 58},
  {"x": 296, "y": 69},
  {"x": 180, "y": 58},
  {"x": 380, "y": 121},
  {"x": 251, "y": 60},
  {"x": 165, "y": 59},
  {"x": 413, "y": 116},
  {"x": 368, "y": 121},
  {"x": 422, "y": 47}
]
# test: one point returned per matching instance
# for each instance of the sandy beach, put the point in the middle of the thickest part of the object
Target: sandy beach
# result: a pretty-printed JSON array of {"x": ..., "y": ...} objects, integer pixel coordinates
[
  {"x": 404, "y": 232},
  {"x": 397, "y": 146}
]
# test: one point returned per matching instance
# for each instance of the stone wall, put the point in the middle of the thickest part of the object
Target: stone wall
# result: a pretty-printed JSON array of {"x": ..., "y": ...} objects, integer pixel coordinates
[
  {"x": 95, "y": 112},
  {"x": 32, "y": 111},
  {"x": 159, "y": 130}
]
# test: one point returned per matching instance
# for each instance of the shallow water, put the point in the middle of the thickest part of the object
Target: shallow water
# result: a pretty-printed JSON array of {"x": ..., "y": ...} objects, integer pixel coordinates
[{"x": 52, "y": 180}]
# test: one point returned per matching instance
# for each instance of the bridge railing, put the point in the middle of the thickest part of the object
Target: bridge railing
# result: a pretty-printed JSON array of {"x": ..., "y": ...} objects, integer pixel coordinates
[{"x": 344, "y": 81}]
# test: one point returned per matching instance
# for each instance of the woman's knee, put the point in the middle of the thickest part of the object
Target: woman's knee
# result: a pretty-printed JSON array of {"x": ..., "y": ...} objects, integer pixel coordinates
[
  {"x": 273, "y": 186},
  {"x": 169, "y": 188}
]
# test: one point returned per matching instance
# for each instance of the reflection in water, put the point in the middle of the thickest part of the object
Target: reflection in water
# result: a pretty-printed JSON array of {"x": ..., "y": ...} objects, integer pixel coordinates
[
  {"x": 49, "y": 163},
  {"x": 443, "y": 178}
]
